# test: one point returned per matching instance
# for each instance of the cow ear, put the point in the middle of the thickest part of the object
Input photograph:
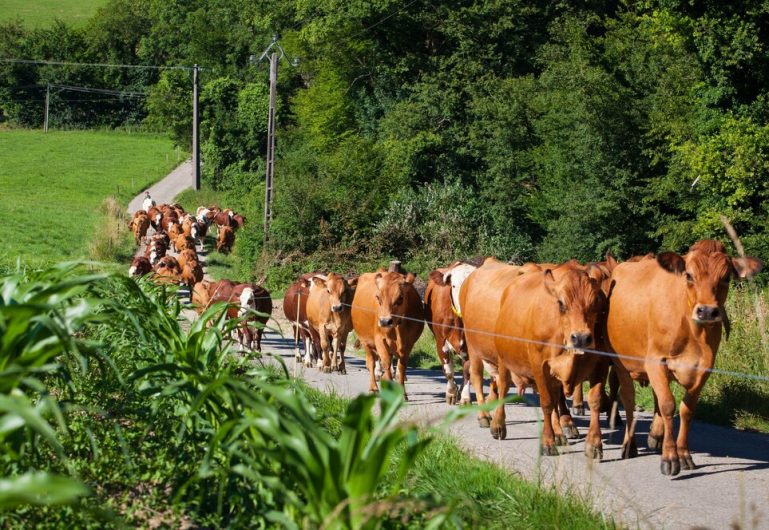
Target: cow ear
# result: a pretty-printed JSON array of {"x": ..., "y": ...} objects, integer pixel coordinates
[
  {"x": 379, "y": 280},
  {"x": 318, "y": 281},
  {"x": 353, "y": 282},
  {"x": 437, "y": 278},
  {"x": 610, "y": 262},
  {"x": 595, "y": 273},
  {"x": 410, "y": 278},
  {"x": 747, "y": 267},
  {"x": 671, "y": 262},
  {"x": 550, "y": 282}
]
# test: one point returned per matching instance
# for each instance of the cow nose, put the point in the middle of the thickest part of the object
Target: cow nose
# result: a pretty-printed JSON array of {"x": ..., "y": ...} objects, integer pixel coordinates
[
  {"x": 336, "y": 308},
  {"x": 581, "y": 339},
  {"x": 386, "y": 322},
  {"x": 708, "y": 312}
]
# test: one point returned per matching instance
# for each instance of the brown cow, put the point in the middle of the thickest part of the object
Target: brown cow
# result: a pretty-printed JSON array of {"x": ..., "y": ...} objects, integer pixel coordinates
[
  {"x": 139, "y": 225},
  {"x": 535, "y": 326},
  {"x": 225, "y": 240},
  {"x": 254, "y": 306},
  {"x": 444, "y": 322},
  {"x": 157, "y": 248},
  {"x": 192, "y": 273},
  {"x": 155, "y": 216},
  {"x": 174, "y": 230},
  {"x": 200, "y": 296},
  {"x": 140, "y": 266},
  {"x": 183, "y": 242},
  {"x": 329, "y": 314},
  {"x": 295, "y": 309},
  {"x": 167, "y": 270},
  {"x": 186, "y": 255},
  {"x": 388, "y": 318},
  {"x": 665, "y": 321}
]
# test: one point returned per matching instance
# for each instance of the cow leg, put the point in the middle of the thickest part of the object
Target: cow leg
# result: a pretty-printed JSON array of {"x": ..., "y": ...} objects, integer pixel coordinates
[
  {"x": 452, "y": 392},
  {"x": 465, "y": 384},
  {"x": 325, "y": 362},
  {"x": 688, "y": 406},
  {"x": 614, "y": 416},
  {"x": 656, "y": 429},
  {"x": 548, "y": 387},
  {"x": 560, "y": 438},
  {"x": 660, "y": 383},
  {"x": 593, "y": 442},
  {"x": 564, "y": 419},
  {"x": 402, "y": 374},
  {"x": 342, "y": 346},
  {"x": 307, "y": 351},
  {"x": 476, "y": 377},
  {"x": 627, "y": 394},
  {"x": 259, "y": 333},
  {"x": 578, "y": 401},
  {"x": 498, "y": 424},
  {"x": 371, "y": 360},
  {"x": 334, "y": 358},
  {"x": 493, "y": 372}
]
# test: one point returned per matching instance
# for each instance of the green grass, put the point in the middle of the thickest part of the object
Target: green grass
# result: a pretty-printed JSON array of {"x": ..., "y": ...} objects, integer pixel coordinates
[
  {"x": 481, "y": 494},
  {"x": 54, "y": 185},
  {"x": 40, "y": 13}
]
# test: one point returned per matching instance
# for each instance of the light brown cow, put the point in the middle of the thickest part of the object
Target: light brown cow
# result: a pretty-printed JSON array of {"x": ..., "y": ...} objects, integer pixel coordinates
[
  {"x": 183, "y": 242},
  {"x": 174, "y": 230},
  {"x": 167, "y": 270},
  {"x": 186, "y": 255},
  {"x": 225, "y": 240},
  {"x": 139, "y": 225},
  {"x": 191, "y": 274},
  {"x": 295, "y": 309},
  {"x": 664, "y": 321},
  {"x": 201, "y": 296},
  {"x": 532, "y": 325},
  {"x": 388, "y": 318},
  {"x": 444, "y": 322},
  {"x": 329, "y": 313}
]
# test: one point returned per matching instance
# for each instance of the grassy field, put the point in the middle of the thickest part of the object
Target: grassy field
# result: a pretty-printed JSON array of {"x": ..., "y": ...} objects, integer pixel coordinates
[
  {"x": 39, "y": 13},
  {"x": 54, "y": 185}
]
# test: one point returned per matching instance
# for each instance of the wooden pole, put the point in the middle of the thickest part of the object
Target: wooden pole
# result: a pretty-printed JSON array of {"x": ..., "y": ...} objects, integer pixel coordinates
[
  {"x": 268, "y": 185},
  {"x": 195, "y": 129},
  {"x": 47, "y": 102}
]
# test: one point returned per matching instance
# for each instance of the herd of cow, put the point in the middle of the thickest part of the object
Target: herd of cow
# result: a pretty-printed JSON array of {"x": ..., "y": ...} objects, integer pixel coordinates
[{"x": 653, "y": 319}]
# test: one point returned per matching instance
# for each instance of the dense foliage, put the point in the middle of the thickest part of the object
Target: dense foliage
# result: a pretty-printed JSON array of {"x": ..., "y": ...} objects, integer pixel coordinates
[{"x": 525, "y": 129}]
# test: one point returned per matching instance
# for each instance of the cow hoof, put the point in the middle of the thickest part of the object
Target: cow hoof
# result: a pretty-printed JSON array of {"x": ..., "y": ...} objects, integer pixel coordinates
[
  {"x": 594, "y": 452},
  {"x": 686, "y": 462},
  {"x": 570, "y": 431},
  {"x": 654, "y": 443},
  {"x": 670, "y": 467},
  {"x": 484, "y": 422},
  {"x": 578, "y": 410},
  {"x": 561, "y": 440},
  {"x": 499, "y": 433},
  {"x": 405, "y": 397},
  {"x": 629, "y": 450},
  {"x": 308, "y": 365},
  {"x": 343, "y": 370},
  {"x": 327, "y": 370},
  {"x": 464, "y": 401},
  {"x": 451, "y": 399},
  {"x": 548, "y": 450}
]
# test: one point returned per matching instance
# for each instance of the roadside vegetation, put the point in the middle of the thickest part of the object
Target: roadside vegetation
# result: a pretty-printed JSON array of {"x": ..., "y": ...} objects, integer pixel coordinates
[
  {"x": 116, "y": 415},
  {"x": 54, "y": 185}
]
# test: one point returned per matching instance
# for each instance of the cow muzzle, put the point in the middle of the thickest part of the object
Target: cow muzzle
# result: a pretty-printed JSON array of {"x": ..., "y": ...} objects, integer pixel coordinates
[
  {"x": 337, "y": 308},
  {"x": 579, "y": 340},
  {"x": 706, "y": 314},
  {"x": 386, "y": 322}
]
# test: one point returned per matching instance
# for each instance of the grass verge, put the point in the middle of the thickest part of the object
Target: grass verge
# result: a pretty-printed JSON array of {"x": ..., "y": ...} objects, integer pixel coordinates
[{"x": 40, "y": 13}]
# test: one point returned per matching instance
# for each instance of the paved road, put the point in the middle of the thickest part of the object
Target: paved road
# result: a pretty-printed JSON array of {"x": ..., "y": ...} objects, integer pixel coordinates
[
  {"x": 169, "y": 187},
  {"x": 730, "y": 486}
]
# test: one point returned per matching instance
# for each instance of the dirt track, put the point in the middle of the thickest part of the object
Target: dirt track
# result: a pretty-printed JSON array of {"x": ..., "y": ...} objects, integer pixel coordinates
[{"x": 730, "y": 486}]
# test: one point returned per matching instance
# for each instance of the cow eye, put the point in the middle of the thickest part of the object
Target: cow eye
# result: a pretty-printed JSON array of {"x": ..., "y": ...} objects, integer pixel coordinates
[
  {"x": 398, "y": 301},
  {"x": 378, "y": 299},
  {"x": 689, "y": 277},
  {"x": 561, "y": 306}
]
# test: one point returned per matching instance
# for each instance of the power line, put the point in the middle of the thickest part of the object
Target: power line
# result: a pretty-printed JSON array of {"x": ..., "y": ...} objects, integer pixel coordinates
[
  {"x": 99, "y": 65},
  {"x": 106, "y": 91}
]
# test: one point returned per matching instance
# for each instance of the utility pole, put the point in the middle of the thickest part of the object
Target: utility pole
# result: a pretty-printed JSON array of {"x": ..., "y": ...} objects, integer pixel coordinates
[
  {"x": 47, "y": 101},
  {"x": 270, "y": 146},
  {"x": 270, "y": 159},
  {"x": 195, "y": 129}
]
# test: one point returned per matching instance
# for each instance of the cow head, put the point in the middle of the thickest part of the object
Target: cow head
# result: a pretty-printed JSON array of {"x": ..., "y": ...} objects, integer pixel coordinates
[
  {"x": 391, "y": 289},
  {"x": 706, "y": 269},
  {"x": 340, "y": 291},
  {"x": 580, "y": 302}
]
